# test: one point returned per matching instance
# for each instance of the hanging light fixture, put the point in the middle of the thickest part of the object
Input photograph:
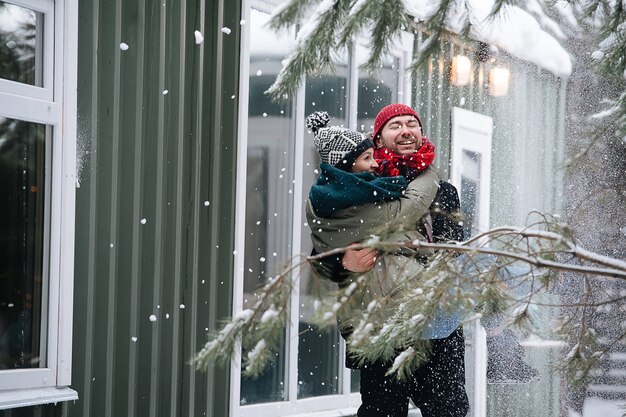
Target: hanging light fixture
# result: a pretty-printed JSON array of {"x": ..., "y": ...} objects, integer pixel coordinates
[
  {"x": 499, "y": 81},
  {"x": 460, "y": 70}
]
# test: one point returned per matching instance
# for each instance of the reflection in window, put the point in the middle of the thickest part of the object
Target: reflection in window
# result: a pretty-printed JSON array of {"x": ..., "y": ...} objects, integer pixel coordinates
[
  {"x": 470, "y": 180},
  {"x": 269, "y": 192},
  {"x": 21, "y": 44},
  {"x": 260, "y": 103},
  {"x": 22, "y": 176},
  {"x": 375, "y": 90},
  {"x": 328, "y": 93}
]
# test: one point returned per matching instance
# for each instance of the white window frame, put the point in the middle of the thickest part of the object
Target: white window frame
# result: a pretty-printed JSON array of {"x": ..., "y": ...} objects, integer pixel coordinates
[
  {"x": 53, "y": 104},
  {"x": 473, "y": 132},
  {"x": 345, "y": 402},
  {"x": 45, "y": 92}
]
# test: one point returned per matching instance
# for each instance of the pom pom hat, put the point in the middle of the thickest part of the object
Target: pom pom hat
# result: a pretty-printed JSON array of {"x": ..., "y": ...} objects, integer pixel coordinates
[
  {"x": 336, "y": 145},
  {"x": 391, "y": 111}
]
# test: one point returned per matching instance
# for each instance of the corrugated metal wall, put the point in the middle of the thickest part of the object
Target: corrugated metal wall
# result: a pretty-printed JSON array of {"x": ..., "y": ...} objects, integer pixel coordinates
[{"x": 155, "y": 207}]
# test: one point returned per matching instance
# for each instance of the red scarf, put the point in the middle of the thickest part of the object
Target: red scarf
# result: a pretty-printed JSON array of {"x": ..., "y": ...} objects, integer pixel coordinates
[{"x": 409, "y": 166}]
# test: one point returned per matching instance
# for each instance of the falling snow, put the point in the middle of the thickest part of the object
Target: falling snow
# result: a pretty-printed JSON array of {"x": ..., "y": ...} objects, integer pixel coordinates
[{"x": 198, "y": 36}]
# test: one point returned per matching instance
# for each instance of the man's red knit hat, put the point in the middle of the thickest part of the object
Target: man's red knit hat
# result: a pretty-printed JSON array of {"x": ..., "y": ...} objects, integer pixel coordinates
[{"x": 391, "y": 111}]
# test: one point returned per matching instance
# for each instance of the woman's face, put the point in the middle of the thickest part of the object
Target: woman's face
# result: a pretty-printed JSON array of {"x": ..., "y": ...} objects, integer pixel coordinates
[{"x": 365, "y": 162}]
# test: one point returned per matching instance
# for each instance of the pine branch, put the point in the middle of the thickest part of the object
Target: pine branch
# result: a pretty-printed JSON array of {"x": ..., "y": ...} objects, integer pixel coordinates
[
  {"x": 480, "y": 282},
  {"x": 258, "y": 328},
  {"x": 390, "y": 19},
  {"x": 534, "y": 260},
  {"x": 608, "y": 19},
  {"x": 312, "y": 53},
  {"x": 358, "y": 18},
  {"x": 435, "y": 28},
  {"x": 289, "y": 12}
]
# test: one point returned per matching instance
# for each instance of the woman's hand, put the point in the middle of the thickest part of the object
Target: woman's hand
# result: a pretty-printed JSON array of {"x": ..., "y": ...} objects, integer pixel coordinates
[{"x": 359, "y": 260}]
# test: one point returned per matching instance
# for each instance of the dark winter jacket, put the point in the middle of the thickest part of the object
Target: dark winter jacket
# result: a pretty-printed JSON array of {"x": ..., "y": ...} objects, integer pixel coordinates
[{"x": 446, "y": 212}]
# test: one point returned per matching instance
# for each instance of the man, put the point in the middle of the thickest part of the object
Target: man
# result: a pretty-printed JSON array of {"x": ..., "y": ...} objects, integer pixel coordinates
[{"x": 438, "y": 386}]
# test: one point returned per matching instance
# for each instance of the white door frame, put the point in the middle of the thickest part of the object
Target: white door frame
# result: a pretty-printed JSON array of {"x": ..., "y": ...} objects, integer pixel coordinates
[{"x": 473, "y": 132}]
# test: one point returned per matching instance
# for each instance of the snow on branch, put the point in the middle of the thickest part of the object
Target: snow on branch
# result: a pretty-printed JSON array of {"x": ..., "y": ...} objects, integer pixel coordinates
[
  {"x": 256, "y": 329},
  {"x": 312, "y": 52}
]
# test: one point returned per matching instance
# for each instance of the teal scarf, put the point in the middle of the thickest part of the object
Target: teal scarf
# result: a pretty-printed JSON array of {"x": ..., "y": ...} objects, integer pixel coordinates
[{"x": 336, "y": 189}]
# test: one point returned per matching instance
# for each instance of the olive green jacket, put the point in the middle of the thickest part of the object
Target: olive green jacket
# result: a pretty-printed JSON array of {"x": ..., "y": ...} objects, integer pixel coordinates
[
  {"x": 358, "y": 223},
  {"x": 395, "y": 221}
]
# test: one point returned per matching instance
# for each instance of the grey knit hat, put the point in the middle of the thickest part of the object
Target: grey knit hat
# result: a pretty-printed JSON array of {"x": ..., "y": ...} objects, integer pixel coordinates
[{"x": 336, "y": 145}]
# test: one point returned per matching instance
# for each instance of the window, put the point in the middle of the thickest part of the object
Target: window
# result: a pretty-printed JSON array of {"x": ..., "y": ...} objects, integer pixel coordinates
[
  {"x": 308, "y": 373},
  {"x": 23, "y": 190},
  {"x": 37, "y": 161},
  {"x": 471, "y": 166},
  {"x": 320, "y": 358},
  {"x": 269, "y": 193}
]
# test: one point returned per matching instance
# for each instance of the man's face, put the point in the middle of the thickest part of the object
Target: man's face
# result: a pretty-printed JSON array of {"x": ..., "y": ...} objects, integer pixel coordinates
[{"x": 401, "y": 135}]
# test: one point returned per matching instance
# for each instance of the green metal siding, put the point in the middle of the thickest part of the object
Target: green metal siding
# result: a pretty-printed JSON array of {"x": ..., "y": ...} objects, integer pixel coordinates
[{"x": 147, "y": 155}]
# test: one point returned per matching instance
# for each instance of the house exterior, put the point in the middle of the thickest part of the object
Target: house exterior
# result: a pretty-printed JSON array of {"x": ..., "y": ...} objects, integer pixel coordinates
[{"x": 158, "y": 186}]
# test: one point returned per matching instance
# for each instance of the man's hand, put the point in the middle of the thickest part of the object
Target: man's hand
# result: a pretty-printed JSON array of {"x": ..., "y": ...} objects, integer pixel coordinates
[{"x": 359, "y": 260}]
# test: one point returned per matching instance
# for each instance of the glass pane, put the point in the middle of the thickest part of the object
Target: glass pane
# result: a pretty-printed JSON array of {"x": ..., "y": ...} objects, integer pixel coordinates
[
  {"x": 319, "y": 363},
  {"x": 470, "y": 181},
  {"x": 355, "y": 380},
  {"x": 269, "y": 206},
  {"x": 21, "y": 44},
  {"x": 375, "y": 90},
  {"x": 22, "y": 165}
]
